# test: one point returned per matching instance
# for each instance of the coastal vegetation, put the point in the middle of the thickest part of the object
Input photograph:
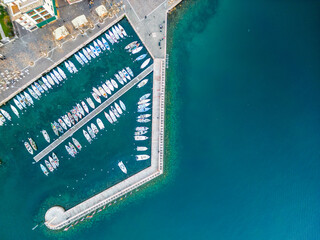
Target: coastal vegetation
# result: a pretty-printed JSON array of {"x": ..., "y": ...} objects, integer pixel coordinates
[{"x": 5, "y": 22}]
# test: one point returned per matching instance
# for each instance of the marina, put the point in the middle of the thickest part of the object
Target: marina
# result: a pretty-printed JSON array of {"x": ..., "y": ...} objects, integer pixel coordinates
[
  {"x": 151, "y": 156},
  {"x": 92, "y": 114}
]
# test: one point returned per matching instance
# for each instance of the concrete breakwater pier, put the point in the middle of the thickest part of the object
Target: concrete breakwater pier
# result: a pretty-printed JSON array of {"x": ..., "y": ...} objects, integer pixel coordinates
[{"x": 147, "y": 29}]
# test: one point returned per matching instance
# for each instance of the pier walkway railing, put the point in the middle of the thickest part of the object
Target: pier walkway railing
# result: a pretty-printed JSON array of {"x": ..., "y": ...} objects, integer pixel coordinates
[{"x": 92, "y": 114}]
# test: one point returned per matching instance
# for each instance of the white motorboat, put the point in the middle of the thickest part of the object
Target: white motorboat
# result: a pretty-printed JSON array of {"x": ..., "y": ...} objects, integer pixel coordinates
[
  {"x": 96, "y": 91},
  {"x": 118, "y": 108},
  {"x": 106, "y": 89},
  {"x": 114, "y": 83},
  {"x": 122, "y": 105},
  {"x": 45, "y": 135},
  {"x": 122, "y": 30},
  {"x": 140, "y": 138},
  {"x": 79, "y": 59},
  {"x": 96, "y": 97},
  {"x": 61, "y": 72},
  {"x": 142, "y": 83},
  {"x": 68, "y": 67},
  {"x": 6, "y": 114},
  {"x": 129, "y": 71},
  {"x": 144, "y": 101},
  {"x": 114, "y": 119},
  {"x": 145, "y": 63},
  {"x": 90, "y": 52},
  {"x": 108, "y": 117},
  {"x": 29, "y": 99},
  {"x": 142, "y": 148},
  {"x": 83, "y": 57},
  {"x": 46, "y": 82},
  {"x": 136, "y": 50},
  {"x": 109, "y": 38},
  {"x": 85, "y": 52},
  {"x": 50, "y": 80},
  {"x": 110, "y": 86},
  {"x": 100, "y": 123},
  {"x": 142, "y": 157},
  {"x": 80, "y": 109},
  {"x": 76, "y": 142},
  {"x": 101, "y": 45},
  {"x": 102, "y": 91},
  {"x": 119, "y": 79},
  {"x": 87, "y": 136},
  {"x": 85, "y": 107},
  {"x": 14, "y": 110},
  {"x": 145, "y": 96},
  {"x": 122, "y": 167},
  {"x": 90, "y": 102},
  {"x": 57, "y": 75},
  {"x": 115, "y": 112},
  {"x": 67, "y": 120}
]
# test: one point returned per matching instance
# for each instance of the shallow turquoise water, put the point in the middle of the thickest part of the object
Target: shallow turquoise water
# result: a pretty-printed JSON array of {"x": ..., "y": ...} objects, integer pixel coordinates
[{"x": 242, "y": 131}]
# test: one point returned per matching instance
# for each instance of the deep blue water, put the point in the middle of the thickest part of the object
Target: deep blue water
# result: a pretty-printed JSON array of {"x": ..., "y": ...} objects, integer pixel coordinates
[{"x": 242, "y": 130}]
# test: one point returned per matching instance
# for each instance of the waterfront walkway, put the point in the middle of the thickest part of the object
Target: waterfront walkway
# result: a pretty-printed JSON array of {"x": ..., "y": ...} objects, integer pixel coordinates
[
  {"x": 92, "y": 114},
  {"x": 57, "y": 218}
]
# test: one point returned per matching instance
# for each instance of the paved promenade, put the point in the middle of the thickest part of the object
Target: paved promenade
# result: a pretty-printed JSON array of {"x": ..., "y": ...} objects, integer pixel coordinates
[
  {"x": 92, "y": 114},
  {"x": 57, "y": 218}
]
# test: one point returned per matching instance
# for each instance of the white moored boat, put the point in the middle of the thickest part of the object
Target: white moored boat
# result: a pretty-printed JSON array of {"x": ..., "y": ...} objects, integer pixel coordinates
[
  {"x": 83, "y": 57},
  {"x": 85, "y": 107},
  {"x": 96, "y": 97},
  {"x": 14, "y": 110},
  {"x": 87, "y": 136},
  {"x": 96, "y": 91},
  {"x": 68, "y": 67},
  {"x": 144, "y": 101},
  {"x": 50, "y": 80},
  {"x": 114, "y": 119},
  {"x": 85, "y": 52},
  {"x": 102, "y": 91},
  {"x": 106, "y": 89},
  {"x": 122, "y": 105},
  {"x": 45, "y": 135},
  {"x": 142, "y": 148},
  {"x": 44, "y": 170},
  {"x": 118, "y": 108},
  {"x": 79, "y": 59},
  {"x": 142, "y": 83},
  {"x": 57, "y": 75},
  {"x": 122, "y": 167},
  {"x": 114, "y": 83},
  {"x": 90, "y": 52},
  {"x": 108, "y": 117},
  {"x": 140, "y": 138},
  {"x": 129, "y": 71},
  {"x": 100, "y": 123},
  {"x": 145, "y": 63},
  {"x": 110, "y": 86},
  {"x": 122, "y": 30},
  {"x": 147, "y": 95},
  {"x": 53, "y": 164},
  {"x": 136, "y": 50},
  {"x": 142, "y": 157},
  {"x": 76, "y": 142},
  {"x": 6, "y": 114},
  {"x": 101, "y": 45},
  {"x": 90, "y": 102},
  {"x": 62, "y": 74},
  {"x": 109, "y": 38}
]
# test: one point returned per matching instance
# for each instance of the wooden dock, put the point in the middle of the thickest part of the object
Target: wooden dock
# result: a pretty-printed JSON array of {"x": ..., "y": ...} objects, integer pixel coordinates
[{"x": 92, "y": 114}]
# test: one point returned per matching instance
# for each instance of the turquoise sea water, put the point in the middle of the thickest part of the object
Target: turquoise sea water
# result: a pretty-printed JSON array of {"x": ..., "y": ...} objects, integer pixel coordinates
[{"x": 242, "y": 133}]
